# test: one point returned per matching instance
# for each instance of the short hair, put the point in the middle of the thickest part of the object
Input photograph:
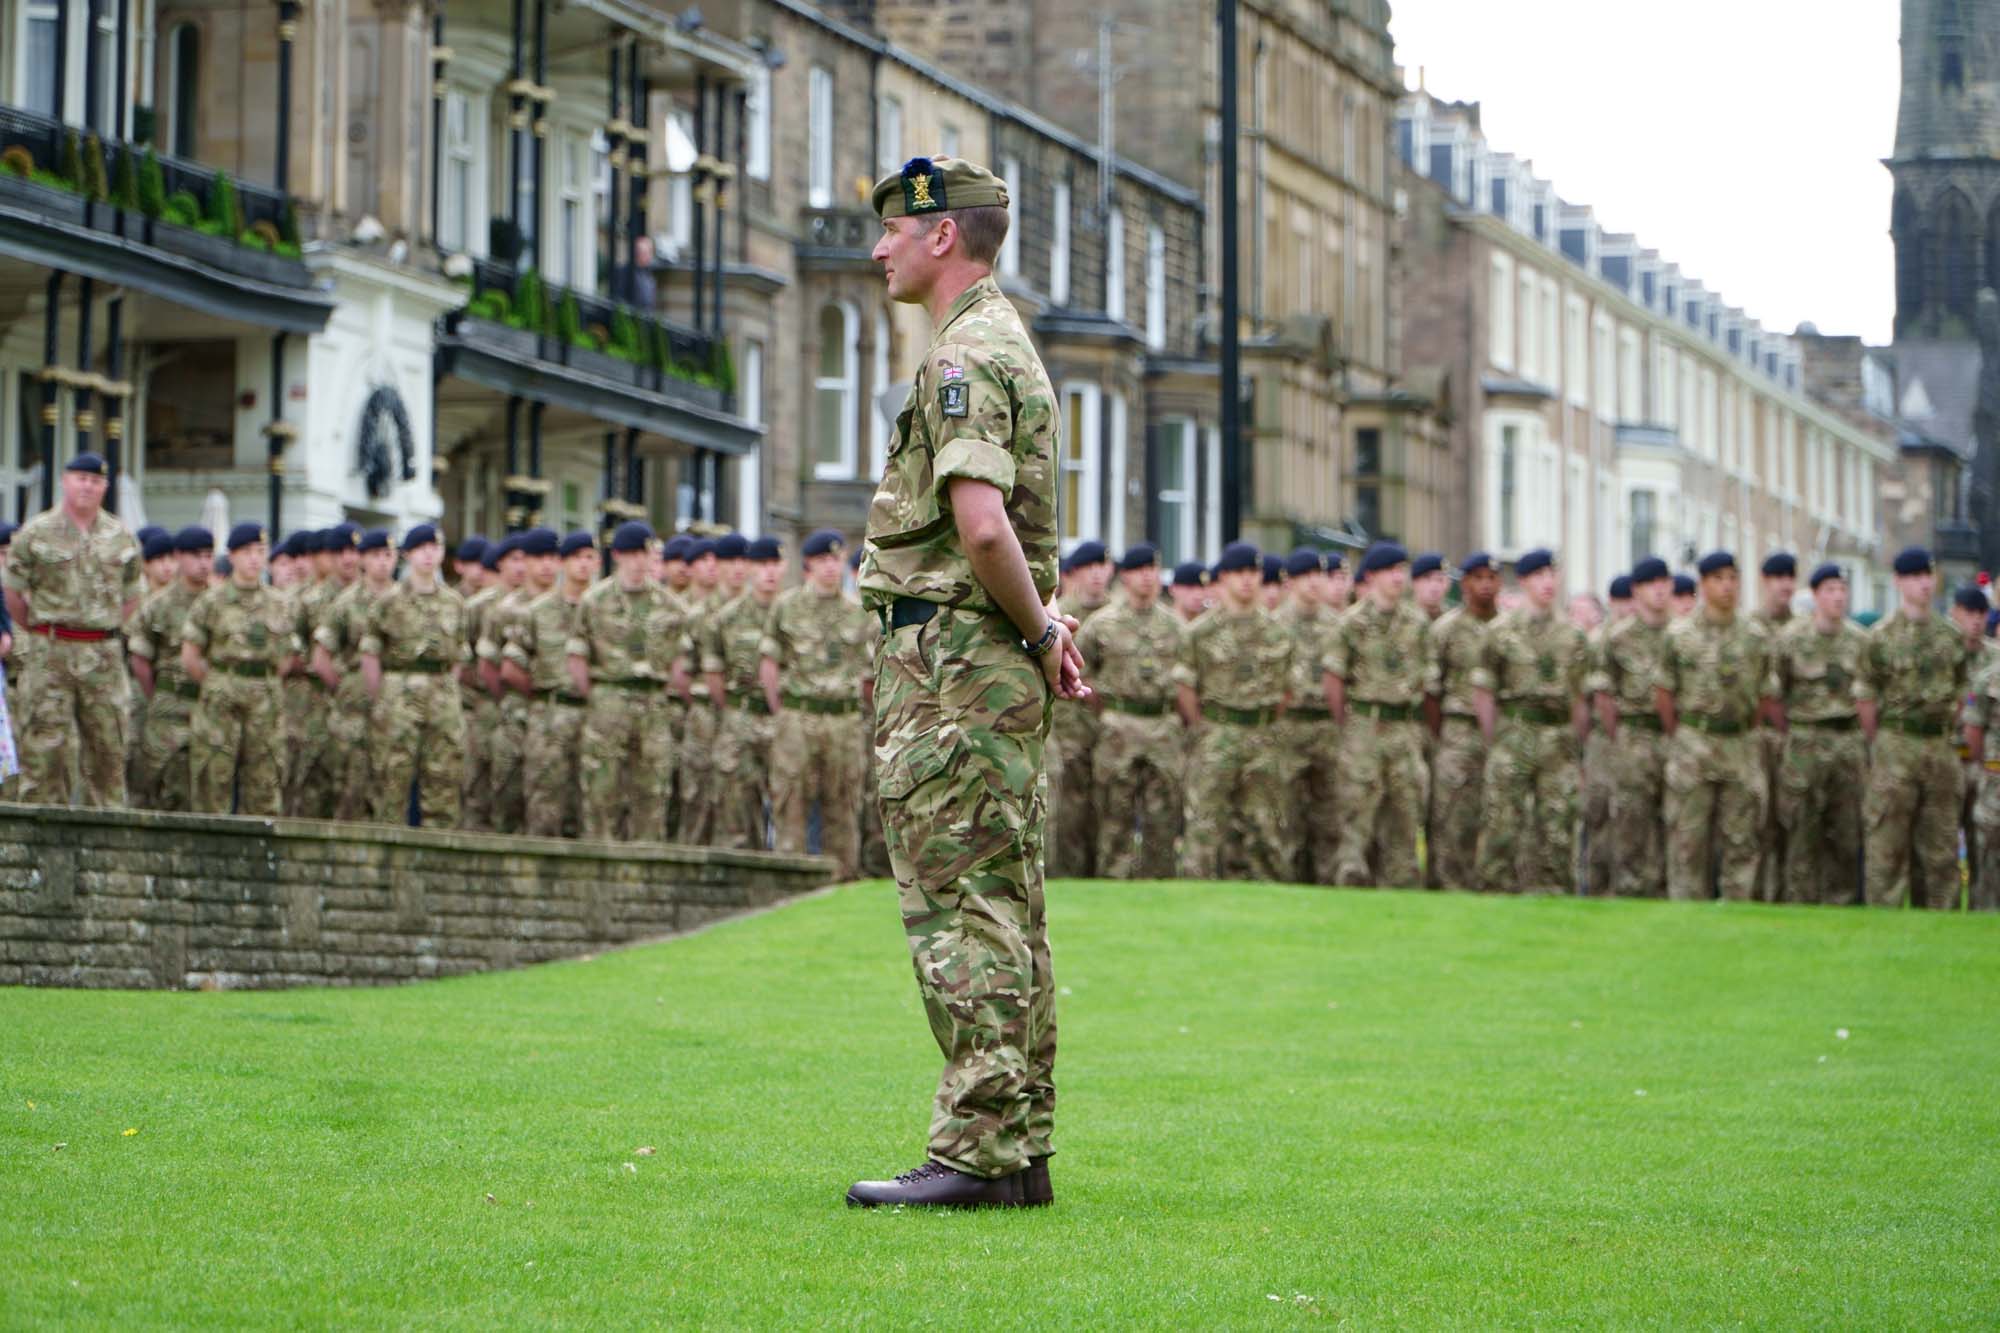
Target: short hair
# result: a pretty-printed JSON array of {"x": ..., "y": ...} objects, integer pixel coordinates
[{"x": 982, "y": 229}]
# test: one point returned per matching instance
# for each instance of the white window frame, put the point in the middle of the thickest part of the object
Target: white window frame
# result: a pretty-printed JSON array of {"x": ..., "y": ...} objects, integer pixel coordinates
[
  {"x": 1211, "y": 517},
  {"x": 888, "y": 133},
  {"x": 1578, "y": 559},
  {"x": 30, "y": 13},
  {"x": 464, "y": 216},
  {"x": 949, "y": 139},
  {"x": 1118, "y": 423},
  {"x": 1177, "y": 506},
  {"x": 572, "y": 147},
  {"x": 1576, "y": 351},
  {"x": 819, "y": 137},
  {"x": 1533, "y": 461},
  {"x": 757, "y": 108},
  {"x": 1059, "y": 245},
  {"x": 1082, "y": 525},
  {"x": 1114, "y": 266},
  {"x": 842, "y": 469},
  {"x": 883, "y": 415},
  {"x": 680, "y": 195},
  {"x": 1156, "y": 287},
  {"x": 167, "y": 126},
  {"x": 1010, "y": 249},
  {"x": 750, "y": 466},
  {"x": 1500, "y": 313},
  {"x": 1530, "y": 361}
]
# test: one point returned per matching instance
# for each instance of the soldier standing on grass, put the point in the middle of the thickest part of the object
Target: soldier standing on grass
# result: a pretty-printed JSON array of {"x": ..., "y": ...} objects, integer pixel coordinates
[
  {"x": 1190, "y": 590},
  {"x": 960, "y": 564},
  {"x": 1815, "y": 663},
  {"x": 412, "y": 642},
  {"x": 1624, "y": 671},
  {"x": 1086, "y": 579},
  {"x": 698, "y": 797},
  {"x": 240, "y": 636},
  {"x": 535, "y": 662},
  {"x": 1914, "y": 673},
  {"x": 1307, "y": 734},
  {"x": 314, "y": 770},
  {"x": 1458, "y": 773},
  {"x": 537, "y": 551},
  {"x": 1777, "y": 581},
  {"x": 732, "y": 659},
  {"x": 482, "y": 717},
  {"x": 153, "y": 638},
  {"x": 336, "y": 661}
]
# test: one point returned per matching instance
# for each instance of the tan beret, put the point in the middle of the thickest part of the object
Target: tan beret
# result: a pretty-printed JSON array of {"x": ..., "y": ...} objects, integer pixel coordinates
[{"x": 934, "y": 184}]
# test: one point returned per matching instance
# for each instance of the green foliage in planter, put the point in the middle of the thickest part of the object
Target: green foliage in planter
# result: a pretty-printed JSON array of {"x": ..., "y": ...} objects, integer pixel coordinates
[
  {"x": 722, "y": 367},
  {"x": 153, "y": 186},
  {"x": 530, "y": 302},
  {"x": 125, "y": 181},
  {"x": 489, "y": 304},
  {"x": 210, "y": 227},
  {"x": 627, "y": 341},
  {"x": 288, "y": 228},
  {"x": 18, "y": 161},
  {"x": 288, "y": 250},
  {"x": 51, "y": 180},
  {"x": 223, "y": 210},
  {"x": 250, "y": 240},
  {"x": 182, "y": 208},
  {"x": 69, "y": 167},
  {"x": 569, "y": 322},
  {"x": 95, "y": 183}
]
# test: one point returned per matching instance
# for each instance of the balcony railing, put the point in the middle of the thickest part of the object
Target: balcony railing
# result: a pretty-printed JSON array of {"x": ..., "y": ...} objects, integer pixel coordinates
[{"x": 1957, "y": 542}]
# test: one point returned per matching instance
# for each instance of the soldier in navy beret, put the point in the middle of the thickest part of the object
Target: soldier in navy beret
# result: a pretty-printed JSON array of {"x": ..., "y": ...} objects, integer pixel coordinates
[
  {"x": 375, "y": 539},
  {"x": 1430, "y": 581},
  {"x": 92, "y": 463},
  {"x": 1777, "y": 584},
  {"x": 1084, "y": 589},
  {"x": 538, "y": 542},
  {"x": 244, "y": 534},
  {"x": 1142, "y": 555},
  {"x": 763, "y": 550},
  {"x": 631, "y": 535},
  {"x": 469, "y": 564},
  {"x": 157, "y": 546},
  {"x": 1476, "y": 560},
  {"x": 574, "y": 542},
  {"x": 1685, "y": 596},
  {"x": 1821, "y": 573},
  {"x": 1189, "y": 589},
  {"x": 1304, "y": 560},
  {"x": 1273, "y": 581},
  {"x": 1913, "y": 560},
  {"x": 823, "y": 542},
  {"x": 421, "y": 535}
]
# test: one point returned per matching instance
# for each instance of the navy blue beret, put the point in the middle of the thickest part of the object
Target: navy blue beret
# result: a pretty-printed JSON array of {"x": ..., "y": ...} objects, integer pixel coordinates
[
  {"x": 1973, "y": 598},
  {"x": 375, "y": 539},
  {"x": 1650, "y": 570},
  {"x": 577, "y": 541},
  {"x": 245, "y": 534},
  {"x": 1477, "y": 560},
  {"x": 1304, "y": 560},
  {"x": 1713, "y": 562},
  {"x": 826, "y": 541},
  {"x": 1829, "y": 570},
  {"x": 1534, "y": 561},
  {"x": 763, "y": 550},
  {"x": 732, "y": 546},
  {"x": 676, "y": 547},
  {"x": 156, "y": 547},
  {"x": 1086, "y": 553},
  {"x": 1383, "y": 555},
  {"x": 7, "y": 531},
  {"x": 1621, "y": 588},
  {"x": 1781, "y": 564},
  {"x": 538, "y": 541},
  {"x": 1235, "y": 556},
  {"x": 424, "y": 534},
  {"x": 89, "y": 462},
  {"x": 472, "y": 548},
  {"x": 1140, "y": 555},
  {"x": 1430, "y": 562},
  {"x": 1684, "y": 585},
  {"x": 1913, "y": 560},
  {"x": 1274, "y": 569},
  {"x": 150, "y": 531},
  {"x": 340, "y": 537},
  {"x": 490, "y": 557},
  {"x": 1190, "y": 574},
  {"x": 194, "y": 541},
  {"x": 631, "y": 536},
  {"x": 698, "y": 547}
]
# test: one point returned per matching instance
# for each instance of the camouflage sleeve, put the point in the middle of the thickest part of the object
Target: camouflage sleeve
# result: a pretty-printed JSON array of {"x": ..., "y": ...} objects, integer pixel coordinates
[
  {"x": 1335, "y": 662},
  {"x": 326, "y": 630},
  {"x": 579, "y": 635},
  {"x": 1597, "y": 676},
  {"x": 1086, "y": 642},
  {"x": 1777, "y": 666},
  {"x": 1440, "y": 644},
  {"x": 132, "y": 579},
  {"x": 139, "y": 638},
  {"x": 1485, "y": 673},
  {"x": 1581, "y": 664},
  {"x": 194, "y": 629},
  {"x": 491, "y": 635},
  {"x": 776, "y": 643},
  {"x": 520, "y": 639},
  {"x": 1187, "y": 669},
  {"x": 1867, "y": 677},
  {"x": 710, "y": 643},
  {"x": 971, "y": 418},
  {"x": 368, "y": 626}
]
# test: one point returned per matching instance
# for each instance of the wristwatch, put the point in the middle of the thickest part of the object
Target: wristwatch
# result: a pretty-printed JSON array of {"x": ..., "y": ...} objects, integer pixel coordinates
[{"x": 1043, "y": 644}]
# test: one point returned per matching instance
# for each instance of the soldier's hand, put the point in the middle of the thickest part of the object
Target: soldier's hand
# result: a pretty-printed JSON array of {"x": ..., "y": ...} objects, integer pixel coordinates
[
  {"x": 6, "y": 645},
  {"x": 1062, "y": 664}
]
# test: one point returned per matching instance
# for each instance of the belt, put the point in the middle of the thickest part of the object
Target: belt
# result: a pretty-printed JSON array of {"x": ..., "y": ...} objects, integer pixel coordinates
[
  {"x": 1136, "y": 707},
  {"x": 1826, "y": 723},
  {"x": 635, "y": 683},
  {"x": 556, "y": 696},
  {"x": 1308, "y": 714},
  {"x": 1640, "y": 721},
  {"x": 1916, "y": 726},
  {"x": 751, "y": 703},
  {"x": 1548, "y": 717},
  {"x": 1714, "y": 726},
  {"x": 1383, "y": 712},
  {"x": 423, "y": 665},
  {"x": 251, "y": 670},
  {"x": 907, "y": 611},
  {"x": 824, "y": 707},
  {"x": 185, "y": 689},
  {"x": 1242, "y": 717},
  {"x": 72, "y": 633}
]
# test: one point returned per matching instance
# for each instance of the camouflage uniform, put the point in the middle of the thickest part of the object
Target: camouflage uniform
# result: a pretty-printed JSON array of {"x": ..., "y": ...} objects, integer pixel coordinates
[
  {"x": 731, "y": 646},
  {"x": 1534, "y": 663},
  {"x": 1073, "y": 736},
  {"x": 482, "y": 718},
  {"x": 508, "y": 741},
  {"x": 418, "y": 727},
  {"x": 1825, "y": 765},
  {"x": 1716, "y": 670},
  {"x": 1384, "y": 657},
  {"x": 1308, "y": 743},
  {"x": 629, "y": 640},
  {"x": 1916, "y": 672},
  {"x": 76, "y": 584},
  {"x": 538, "y": 643},
  {"x": 314, "y": 768},
  {"x": 350, "y": 714},
  {"x": 1458, "y": 772},
  {"x": 1128, "y": 655},
  {"x": 874, "y": 850},
  {"x": 962, "y": 725},
  {"x": 1771, "y": 858},
  {"x": 823, "y": 644},
  {"x": 1627, "y": 668},
  {"x": 1239, "y": 664},
  {"x": 154, "y": 633},
  {"x": 1983, "y": 711},
  {"x": 1596, "y": 863},
  {"x": 236, "y": 738},
  {"x": 699, "y": 800}
]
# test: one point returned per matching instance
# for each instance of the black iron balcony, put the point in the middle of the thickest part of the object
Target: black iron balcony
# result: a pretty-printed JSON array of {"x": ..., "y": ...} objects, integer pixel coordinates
[
  {"x": 1957, "y": 542},
  {"x": 74, "y": 201}
]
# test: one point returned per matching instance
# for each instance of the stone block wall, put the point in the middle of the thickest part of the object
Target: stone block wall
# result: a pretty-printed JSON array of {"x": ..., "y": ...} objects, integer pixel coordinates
[{"x": 136, "y": 899}]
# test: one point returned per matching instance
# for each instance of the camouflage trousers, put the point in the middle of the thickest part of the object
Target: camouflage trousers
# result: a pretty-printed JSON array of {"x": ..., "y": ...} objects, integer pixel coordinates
[
  {"x": 417, "y": 732},
  {"x": 135, "y": 735},
  {"x": 1527, "y": 834},
  {"x": 75, "y": 718},
  {"x": 677, "y": 709},
  {"x": 1715, "y": 813},
  {"x": 742, "y": 775},
  {"x": 625, "y": 756},
  {"x": 507, "y": 743},
  {"x": 1985, "y": 869},
  {"x": 1819, "y": 807},
  {"x": 961, "y": 729},
  {"x": 695, "y": 781},
  {"x": 347, "y": 722},
  {"x": 236, "y": 745},
  {"x": 162, "y": 779},
  {"x": 1637, "y": 761},
  {"x": 482, "y": 720},
  {"x": 550, "y": 762},
  {"x": 1597, "y": 862},
  {"x": 1236, "y": 797},
  {"x": 1771, "y": 854},
  {"x": 1458, "y": 784},
  {"x": 816, "y": 759},
  {"x": 1383, "y": 805},
  {"x": 874, "y": 850},
  {"x": 1309, "y": 753},
  {"x": 1138, "y": 768},
  {"x": 1072, "y": 817},
  {"x": 314, "y": 762},
  {"x": 1910, "y": 820}
]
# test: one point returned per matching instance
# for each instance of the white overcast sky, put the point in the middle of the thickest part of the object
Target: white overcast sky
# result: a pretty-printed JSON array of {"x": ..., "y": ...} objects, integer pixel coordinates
[{"x": 1742, "y": 139}]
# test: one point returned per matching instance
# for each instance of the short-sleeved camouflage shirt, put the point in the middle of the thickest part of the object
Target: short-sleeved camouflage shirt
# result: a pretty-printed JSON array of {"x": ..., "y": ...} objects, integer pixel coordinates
[
  {"x": 982, "y": 408},
  {"x": 1625, "y": 664},
  {"x": 1236, "y": 659},
  {"x": 154, "y": 632},
  {"x": 340, "y": 622},
  {"x": 1383, "y": 657},
  {"x": 1716, "y": 669},
  {"x": 72, "y": 577},
  {"x": 1533, "y": 657},
  {"x": 409, "y": 628},
  {"x": 1915, "y": 669},
  {"x": 538, "y": 640},
  {"x": 732, "y": 643},
  {"x": 630, "y": 635},
  {"x": 235, "y": 626},
  {"x": 1312, "y": 629},
  {"x": 1129, "y": 654},
  {"x": 1457, "y": 638},
  {"x": 1813, "y": 672},
  {"x": 822, "y": 643}
]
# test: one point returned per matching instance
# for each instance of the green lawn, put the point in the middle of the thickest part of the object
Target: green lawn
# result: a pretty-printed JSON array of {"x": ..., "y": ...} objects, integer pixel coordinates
[{"x": 1389, "y": 1109}]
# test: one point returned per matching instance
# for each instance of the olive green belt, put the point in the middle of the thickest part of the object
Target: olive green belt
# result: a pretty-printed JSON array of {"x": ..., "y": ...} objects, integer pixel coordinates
[
  {"x": 1714, "y": 726},
  {"x": 185, "y": 689},
  {"x": 423, "y": 666},
  {"x": 556, "y": 696},
  {"x": 751, "y": 703},
  {"x": 1135, "y": 707},
  {"x": 1848, "y": 723},
  {"x": 249, "y": 670},
  {"x": 1641, "y": 721},
  {"x": 1915, "y": 726},
  {"x": 1547, "y": 717},
  {"x": 823, "y": 707},
  {"x": 1383, "y": 712},
  {"x": 1308, "y": 714},
  {"x": 634, "y": 683},
  {"x": 1241, "y": 717}
]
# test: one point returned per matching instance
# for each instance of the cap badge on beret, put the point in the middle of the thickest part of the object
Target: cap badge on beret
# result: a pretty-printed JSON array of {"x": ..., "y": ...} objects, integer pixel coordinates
[{"x": 923, "y": 186}]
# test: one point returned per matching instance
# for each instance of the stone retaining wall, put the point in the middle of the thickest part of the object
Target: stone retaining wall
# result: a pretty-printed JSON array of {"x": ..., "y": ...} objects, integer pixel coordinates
[{"x": 131, "y": 898}]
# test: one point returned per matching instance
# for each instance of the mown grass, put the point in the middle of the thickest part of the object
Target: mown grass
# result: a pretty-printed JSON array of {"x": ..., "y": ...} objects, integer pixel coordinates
[{"x": 1276, "y": 1105}]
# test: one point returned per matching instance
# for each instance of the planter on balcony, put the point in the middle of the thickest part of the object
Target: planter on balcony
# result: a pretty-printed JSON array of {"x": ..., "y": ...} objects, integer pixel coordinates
[
  {"x": 605, "y": 366},
  {"x": 521, "y": 344},
  {"x": 224, "y": 253},
  {"x": 53, "y": 204}
]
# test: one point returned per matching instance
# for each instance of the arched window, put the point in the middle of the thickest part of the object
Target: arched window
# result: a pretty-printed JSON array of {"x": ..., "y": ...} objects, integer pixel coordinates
[
  {"x": 1952, "y": 247},
  {"x": 183, "y": 89},
  {"x": 1907, "y": 231},
  {"x": 835, "y": 421}
]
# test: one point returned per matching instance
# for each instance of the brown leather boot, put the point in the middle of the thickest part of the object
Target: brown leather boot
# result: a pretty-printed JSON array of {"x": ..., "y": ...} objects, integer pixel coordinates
[
  {"x": 1036, "y": 1190},
  {"x": 935, "y": 1185}
]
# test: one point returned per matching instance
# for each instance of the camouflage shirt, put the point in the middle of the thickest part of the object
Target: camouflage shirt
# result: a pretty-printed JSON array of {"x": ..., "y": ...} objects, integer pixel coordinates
[
  {"x": 1129, "y": 654},
  {"x": 822, "y": 642},
  {"x": 732, "y": 643},
  {"x": 75, "y": 578},
  {"x": 982, "y": 408},
  {"x": 1982, "y": 706},
  {"x": 1236, "y": 659},
  {"x": 1814, "y": 673},
  {"x": 340, "y": 621},
  {"x": 538, "y": 641},
  {"x": 154, "y": 632},
  {"x": 1535, "y": 658},
  {"x": 1456, "y": 640},
  {"x": 1384, "y": 657},
  {"x": 1915, "y": 669},
  {"x": 1312, "y": 631},
  {"x": 630, "y": 635},
  {"x": 499, "y": 622},
  {"x": 1626, "y": 664},
  {"x": 234, "y": 626},
  {"x": 407, "y": 628},
  {"x": 1716, "y": 669}
]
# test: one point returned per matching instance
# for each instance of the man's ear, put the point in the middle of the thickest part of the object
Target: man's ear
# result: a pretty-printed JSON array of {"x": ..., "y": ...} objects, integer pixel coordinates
[{"x": 943, "y": 236}]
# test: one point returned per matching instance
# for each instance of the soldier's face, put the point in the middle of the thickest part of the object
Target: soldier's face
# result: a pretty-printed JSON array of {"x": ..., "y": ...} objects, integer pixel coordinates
[
  {"x": 379, "y": 564},
  {"x": 513, "y": 568},
  {"x": 1917, "y": 589},
  {"x": 1584, "y": 612},
  {"x": 1621, "y": 607},
  {"x": 283, "y": 570},
  {"x": 733, "y": 573},
  {"x": 160, "y": 571},
  {"x": 909, "y": 253},
  {"x": 1481, "y": 587},
  {"x": 1142, "y": 585},
  {"x": 425, "y": 559},
  {"x": 1308, "y": 589},
  {"x": 1830, "y": 598},
  {"x": 704, "y": 571},
  {"x": 629, "y": 568},
  {"x": 1339, "y": 587},
  {"x": 195, "y": 566},
  {"x": 1778, "y": 590},
  {"x": 1092, "y": 580},
  {"x": 580, "y": 567},
  {"x": 766, "y": 576},
  {"x": 83, "y": 492},
  {"x": 471, "y": 574},
  {"x": 1971, "y": 623},
  {"x": 1430, "y": 589},
  {"x": 1720, "y": 589},
  {"x": 347, "y": 562},
  {"x": 1651, "y": 597},
  {"x": 1539, "y": 588},
  {"x": 246, "y": 563},
  {"x": 1239, "y": 586},
  {"x": 544, "y": 568},
  {"x": 823, "y": 571},
  {"x": 1190, "y": 601},
  {"x": 1387, "y": 585}
]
